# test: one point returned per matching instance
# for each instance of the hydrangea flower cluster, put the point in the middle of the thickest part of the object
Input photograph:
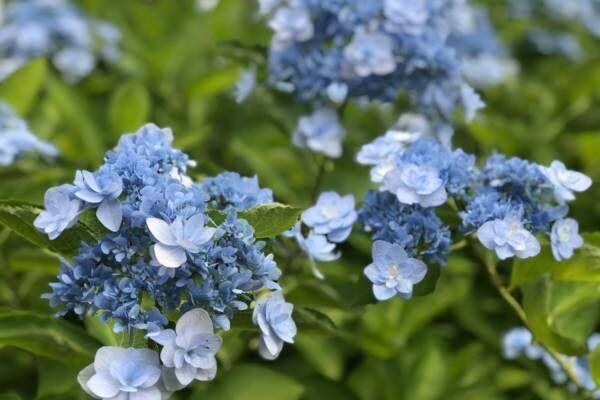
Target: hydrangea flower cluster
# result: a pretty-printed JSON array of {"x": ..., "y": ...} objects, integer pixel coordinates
[
  {"x": 55, "y": 28},
  {"x": 334, "y": 51},
  {"x": 16, "y": 139},
  {"x": 504, "y": 203},
  {"x": 519, "y": 341},
  {"x": 162, "y": 255}
]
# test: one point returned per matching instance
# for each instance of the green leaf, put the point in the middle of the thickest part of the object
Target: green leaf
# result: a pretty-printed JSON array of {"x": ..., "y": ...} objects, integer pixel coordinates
[
  {"x": 327, "y": 355},
  {"x": 129, "y": 107},
  {"x": 428, "y": 284},
  {"x": 308, "y": 320},
  {"x": 56, "y": 378},
  {"x": 268, "y": 220},
  {"x": 251, "y": 382},
  {"x": 19, "y": 216},
  {"x": 536, "y": 304},
  {"x": 46, "y": 336},
  {"x": 583, "y": 266},
  {"x": 21, "y": 89}
]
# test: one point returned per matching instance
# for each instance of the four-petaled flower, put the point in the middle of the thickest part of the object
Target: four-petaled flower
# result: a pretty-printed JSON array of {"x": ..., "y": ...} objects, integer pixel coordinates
[
  {"x": 118, "y": 373},
  {"x": 393, "y": 272},
  {"x": 189, "y": 349},
  {"x": 565, "y": 238},
  {"x": 60, "y": 211},
  {"x": 332, "y": 216},
  {"x": 321, "y": 132},
  {"x": 274, "y": 318},
  {"x": 508, "y": 238},
  {"x": 370, "y": 54},
  {"x": 416, "y": 184},
  {"x": 178, "y": 238},
  {"x": 101, "y": 190},
  {"x": 565, "y": 181}
]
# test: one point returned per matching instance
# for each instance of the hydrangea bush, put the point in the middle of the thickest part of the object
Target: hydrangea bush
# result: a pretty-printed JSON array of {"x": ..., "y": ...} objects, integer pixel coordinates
[{"x": 223, "y": 261}]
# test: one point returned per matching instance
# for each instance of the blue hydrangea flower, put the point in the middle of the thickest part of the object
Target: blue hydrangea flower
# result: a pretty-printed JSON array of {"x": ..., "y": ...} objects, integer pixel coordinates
[
  {"x": 565, "y": 181},
  {"x": 332, "y": 216},
  {"x": 245, "y": 85},
  {"x": 518, "y": 341},
  {"x": 370, "y": 54},
  {"x": 393, "y": 272},
  {"x": 415, "y": 184},
  {"x": 60, "y": 212},
  {"x": 291, "y": 24},
  {"x": 317, "y": 247},
  {"x": 417, "y": 230},
  {"x": 351, "y": 49},
  {"x": 273, "y": 315},
  {"x": 190, "y": 349},
  {"x": 508, "y": 238},
  {"x": 55, "y": 28},
  {"x": 178, "y": 238},
  {"x": 222, "y": 266},
  {"x": 101, "y": 190},
  {"x": 230, "y": 190},
  {"x": 320, "y": 132},
  {"x": 16, "y": 139},
  {"x": 119, "y": 373},
  {"x": 565, "y": 238}
]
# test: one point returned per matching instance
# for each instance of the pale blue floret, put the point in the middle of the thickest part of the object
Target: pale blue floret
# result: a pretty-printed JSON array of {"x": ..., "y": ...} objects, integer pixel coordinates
[
  {"x": 565, "y": 238},
  {"x": 393, "y": 272},
  {"x": 245, "y": 85},
  {"x": 332, "y": 216},
  {"x": 370, "y": 54},
  {"x": 517, "y": 341},
  {"x": 291, "y": 24},
  {"x": 16, "y": 139},
  {"x": 317, "y": 247},
  {"x": 416, "y": 184},
  {"x": 101, "y": 190},
  {"x": 320, "y": 132},
  {"x": 178, "y": 238},
  {"x": 408, "y": 16},
  {"x": 123, "y": 373},
  {"x": 565, "y": 181},
  {"x": 61, "y": 210},
  {"x": 231, "y": 190},
  {"x": 273, "y": 315},
  {"x": 190, "y": 349},
  {"x": 508, "y": 238}
]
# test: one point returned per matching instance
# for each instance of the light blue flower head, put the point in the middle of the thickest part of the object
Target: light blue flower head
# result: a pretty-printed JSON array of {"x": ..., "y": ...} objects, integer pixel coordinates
[
  {"x": 291, "y": 24},
  {"x": 565, "y": 181},
  {"x": 393, "y": 272},
  {"x": 416, "y": 184},
  {"x": 16, "y": 139},
  {"x": 175, "y": 240},
  {"x": 370, "y": 54},
  {"x": 231, "y": 190},
  {"x": 317, "y": 247},
  {"x": 101, "y": 190},
  {"x": 407, "y": 16},
  {"x": 565, "y": 238},
  {"x": 190, "y": 349},
  {"x": 508, "y": 238},
  {"x": 120, "y": 373},
  {"x": 332, "y": 216},
  {"x": 61, "y": 210},
  {"x": 320, "y": 132},
  {"x": 519, "y": 341},
  {"x": 274, "y": 318}
]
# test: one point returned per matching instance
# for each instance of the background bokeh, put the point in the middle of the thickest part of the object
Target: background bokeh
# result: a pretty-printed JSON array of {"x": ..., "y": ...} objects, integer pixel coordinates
[{"x": 178, "y": 69}]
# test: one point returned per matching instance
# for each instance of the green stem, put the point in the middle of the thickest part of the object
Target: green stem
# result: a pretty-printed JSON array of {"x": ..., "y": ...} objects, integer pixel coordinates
[
  {"x": 514, "y": 304},
  {"x": 318, "y": 179}
]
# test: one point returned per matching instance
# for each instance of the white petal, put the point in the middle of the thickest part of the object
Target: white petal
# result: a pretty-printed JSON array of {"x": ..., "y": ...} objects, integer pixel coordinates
[
  {"x": 152, "y": 393},
  {"x": 103, "y": 385},
  {"x": 193, "y": 322},
  {"x": 106, "y": 355},
  {"x": 84, "y": 376},
  {"x": 168, "y": 256},
  {"x": 161, "y": 231},
  {"x": 110, "y": 214},
  {"x": 186, "y": 374}
]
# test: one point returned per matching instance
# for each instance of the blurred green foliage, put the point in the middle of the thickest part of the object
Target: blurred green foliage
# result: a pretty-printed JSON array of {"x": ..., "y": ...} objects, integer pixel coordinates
[{"x": 177, "y": 70}]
